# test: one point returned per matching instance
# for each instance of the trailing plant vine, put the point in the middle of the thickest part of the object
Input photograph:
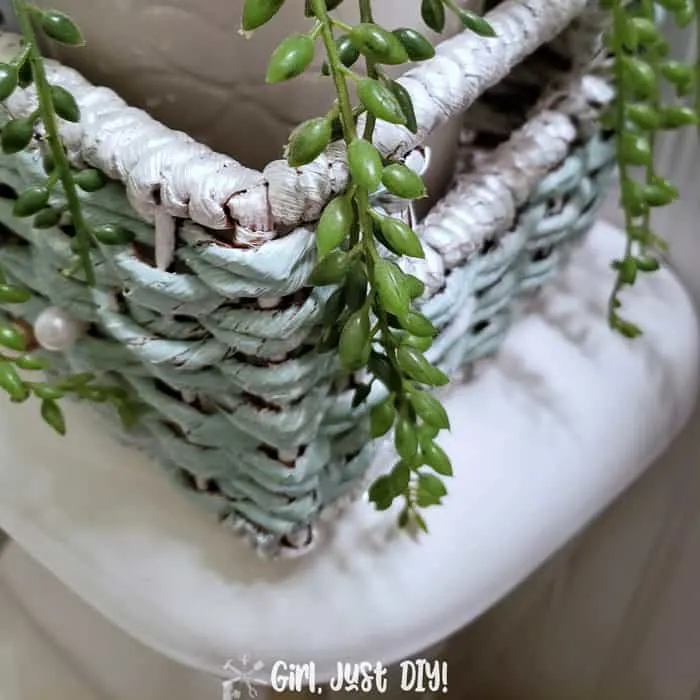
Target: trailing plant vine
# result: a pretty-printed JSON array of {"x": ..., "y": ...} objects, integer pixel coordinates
[
  {"x": 641, "y": 69},
  {"x": 56, "y": 200},
  {"x": 370, "y": 319}
]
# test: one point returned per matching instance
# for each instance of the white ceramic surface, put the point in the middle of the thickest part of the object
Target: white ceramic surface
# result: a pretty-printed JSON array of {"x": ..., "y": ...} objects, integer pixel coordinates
[{"x": 549, "y": 433}]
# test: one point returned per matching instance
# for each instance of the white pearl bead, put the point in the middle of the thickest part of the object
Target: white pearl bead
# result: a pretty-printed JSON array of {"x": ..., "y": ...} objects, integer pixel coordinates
[
  {"x": 56, "y": 330},
  {"x": 269, "y": 302},
  {"x": 287, "y": 455}
]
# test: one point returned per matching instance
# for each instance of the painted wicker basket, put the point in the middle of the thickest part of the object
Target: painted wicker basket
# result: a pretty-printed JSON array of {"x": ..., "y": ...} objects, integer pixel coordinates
[{"x": 209, "y": 318}]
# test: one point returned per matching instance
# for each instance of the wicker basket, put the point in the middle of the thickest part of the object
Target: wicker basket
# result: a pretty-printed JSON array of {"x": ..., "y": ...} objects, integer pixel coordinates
[{"x": 208, "y": 317}]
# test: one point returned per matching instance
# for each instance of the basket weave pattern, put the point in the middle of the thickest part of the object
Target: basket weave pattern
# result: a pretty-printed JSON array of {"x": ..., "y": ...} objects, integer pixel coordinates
[{"x": 208, "y": 317}]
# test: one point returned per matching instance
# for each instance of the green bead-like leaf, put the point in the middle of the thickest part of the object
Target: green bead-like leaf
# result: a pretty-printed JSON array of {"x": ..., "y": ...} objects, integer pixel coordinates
[
  {"x": 31, "y": 201},
  {"x": 76, "y": 381},
  {"x": 418, "y": 325},
  {"x": 633, "y": 197},
  {"x": 644, "y": 116},
  {"x": 415, "y": 287},
  {"x": 335, "y": 224},
  {"x": 347, "y": 53},
  {"x": 259, "y": 12},
  {"x": 400, "y": 477},
  {"x": 417, "y": 367},
  {"x": 417, "y": 46},
  {"x": 647, "y": 264},
  {"x": 16, "y": 135},
  {"x": 31, "y": 363},
  {"x": 365, "y": 164},
  {"x": 50, "y": 393},
  {"x": 627, "y": 270},
  {"x": 113, "y": 234},
  {"x": 404, "y": 99},
  {"x": 48, "y": 162},
  {"x": 419, "y": 343},
  {"x": 381, "y": 492},
  {"x": 12, "y": 338},
  {"x": 626, "y": 328},
  {"x": 405, "y": 439},
  {"x": 355, "y": 289},
  {"x": 403, "y": 182},
  {"x": 431, "y": 484},
  {"x": 384, "y": 371},
  {"x": 685, "y": 14},
  {"x": 328, "y": 340},
  {"x": 377, "y": 44},
  {"x": 656, "y": 196},
  {"x": 678, "y": 116},
  {"x": 354, "y": 347},
  {"x": 90, "y": 180},
  {"x": 53, "y": 415},
  {"x": 10, "y": 294},
  {"x": 333, "y": 308},
  {"x": 309, "y": 9},
  {"x": 382, "y": 417},
  {"x": 47, "y": 218},
  {"x": 64, "y": 103},
  {"x": 390, "y": 287},
  {"x": 361, "y": 394},
  {"x": 401, "y": 238},
  {"x": 12, "y": 383},
  {"x": 308, "y": 141},
  {"x": 8, "y": 80},
  {"x": 676, "y": 72},
  {"x": 645, "y": 31},
  {"x": 433, "y": 14},
  {"x": 61, "y": 28},
  {"x": 430, "y": 409},
  {"x": 290, "y": 59},
  {"x": 475, "y": 23},
  {"x": 639, "y": 75},
  {"x": 380, "y": 101},
  {"x": 437, "y": 459},
  {"x": 25, "y": 76},
  {"x": 331, "y": 270},
  {"x": 635, "y": 149}
]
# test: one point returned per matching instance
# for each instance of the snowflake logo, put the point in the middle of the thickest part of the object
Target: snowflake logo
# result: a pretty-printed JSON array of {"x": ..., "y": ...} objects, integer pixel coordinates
[{"x": 241, "y": 678}]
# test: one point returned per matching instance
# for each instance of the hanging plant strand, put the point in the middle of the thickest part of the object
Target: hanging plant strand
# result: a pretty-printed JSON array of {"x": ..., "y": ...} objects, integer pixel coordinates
[
  {"x": 48, "y": 204},
  {"x": 641, "y": 67},
  {"x": 371, "y": 320}
]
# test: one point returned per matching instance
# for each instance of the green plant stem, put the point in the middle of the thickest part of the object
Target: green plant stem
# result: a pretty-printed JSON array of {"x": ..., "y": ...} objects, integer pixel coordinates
[
  {"x": 618, "y": 18},
  {"x": 648, "y": 6},
  {"x": 48, "y": 118},
  {"x": 336, "y": 70},
  {"x": 360, "y": 194},
  {"x": 372, "y": 72}
]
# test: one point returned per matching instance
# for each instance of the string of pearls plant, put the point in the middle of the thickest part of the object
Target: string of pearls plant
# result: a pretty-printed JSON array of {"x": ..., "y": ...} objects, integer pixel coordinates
[
  {"x": 370, "y": 319},
  {"x": 642, "y": 69},
  {"x": 54, "y": 202}
]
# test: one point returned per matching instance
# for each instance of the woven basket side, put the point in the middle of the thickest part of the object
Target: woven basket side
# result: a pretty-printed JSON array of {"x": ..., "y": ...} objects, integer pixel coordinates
[
  {"x": 217, "y": 335},
  {"x": 175, "y": 177}
]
